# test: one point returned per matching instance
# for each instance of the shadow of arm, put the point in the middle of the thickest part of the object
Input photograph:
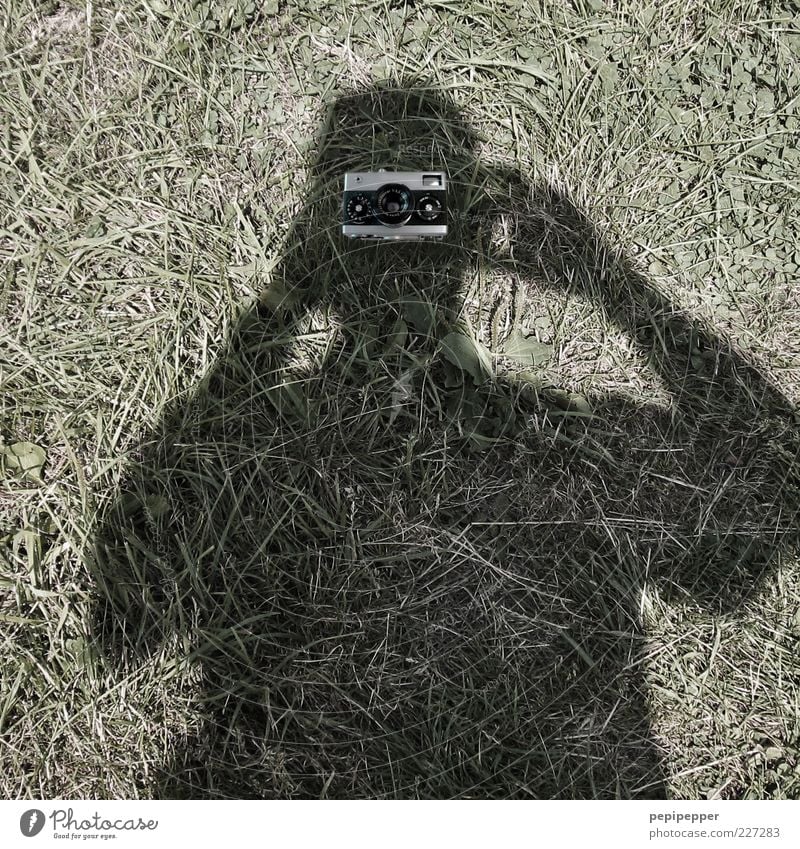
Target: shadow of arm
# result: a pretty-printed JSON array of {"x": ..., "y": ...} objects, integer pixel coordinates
[{"x": 733, "y": 434}]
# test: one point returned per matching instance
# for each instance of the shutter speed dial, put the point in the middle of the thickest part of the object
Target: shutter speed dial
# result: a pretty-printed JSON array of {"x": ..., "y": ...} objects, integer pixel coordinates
[
  {"x": 429, "y": 208},
  {"x": 358, "y": 208}
]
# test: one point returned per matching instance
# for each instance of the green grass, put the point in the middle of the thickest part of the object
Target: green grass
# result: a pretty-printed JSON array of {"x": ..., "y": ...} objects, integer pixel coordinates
[{"x": 305, "y": 527}]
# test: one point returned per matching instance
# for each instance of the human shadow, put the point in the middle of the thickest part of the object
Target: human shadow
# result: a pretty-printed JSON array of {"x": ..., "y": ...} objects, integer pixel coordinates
[{"x": 397, "y": 578}]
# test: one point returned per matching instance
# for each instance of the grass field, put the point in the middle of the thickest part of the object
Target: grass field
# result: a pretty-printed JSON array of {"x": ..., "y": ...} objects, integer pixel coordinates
[{"x": 510, "y": 516}]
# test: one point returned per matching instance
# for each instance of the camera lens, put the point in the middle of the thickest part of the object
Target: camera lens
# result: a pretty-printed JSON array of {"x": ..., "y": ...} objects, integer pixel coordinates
[{"x": 394, "y": 204}]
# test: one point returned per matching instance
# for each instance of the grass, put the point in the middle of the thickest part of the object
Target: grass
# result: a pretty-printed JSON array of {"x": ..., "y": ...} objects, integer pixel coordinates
[{"x": 286, "y": 542}]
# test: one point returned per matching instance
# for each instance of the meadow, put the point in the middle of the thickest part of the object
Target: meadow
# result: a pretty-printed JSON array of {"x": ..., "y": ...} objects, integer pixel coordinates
[{"x": 514, "y": 515}]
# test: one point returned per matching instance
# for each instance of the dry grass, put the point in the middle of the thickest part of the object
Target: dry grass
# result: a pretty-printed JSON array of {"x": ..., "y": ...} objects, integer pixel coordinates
[{"x": 282, "y": 545}]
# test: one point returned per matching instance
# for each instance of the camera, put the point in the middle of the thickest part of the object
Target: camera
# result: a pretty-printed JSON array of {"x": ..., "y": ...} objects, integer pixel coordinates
[{"x": 410, "y": 205}]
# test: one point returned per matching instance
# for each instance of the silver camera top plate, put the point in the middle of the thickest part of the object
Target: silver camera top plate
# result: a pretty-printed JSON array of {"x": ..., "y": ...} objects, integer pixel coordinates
[{"x": 417, "y": 181}]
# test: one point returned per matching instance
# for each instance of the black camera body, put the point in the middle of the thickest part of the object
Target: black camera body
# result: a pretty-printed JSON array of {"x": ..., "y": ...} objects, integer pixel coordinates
[{"x": 393, "y": 205}]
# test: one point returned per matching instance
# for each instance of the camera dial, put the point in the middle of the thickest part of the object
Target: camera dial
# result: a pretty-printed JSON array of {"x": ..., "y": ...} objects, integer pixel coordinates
[
  {"x": 358, "y": 208},
  {"x": 394, "y": 204},
  {"x": 428, "y": 208}
]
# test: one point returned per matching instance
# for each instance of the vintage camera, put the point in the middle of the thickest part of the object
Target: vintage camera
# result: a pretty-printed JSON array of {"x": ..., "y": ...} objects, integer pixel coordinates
[{"x": 395, "y": 205}]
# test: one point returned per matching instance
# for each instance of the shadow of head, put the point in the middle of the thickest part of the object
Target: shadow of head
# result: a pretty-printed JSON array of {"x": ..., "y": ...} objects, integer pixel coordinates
[{"x": 406, "y": 126}]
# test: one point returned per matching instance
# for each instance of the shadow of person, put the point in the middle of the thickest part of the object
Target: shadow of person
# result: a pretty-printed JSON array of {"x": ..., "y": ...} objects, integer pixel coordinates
[{"x": 395, "y": 576}]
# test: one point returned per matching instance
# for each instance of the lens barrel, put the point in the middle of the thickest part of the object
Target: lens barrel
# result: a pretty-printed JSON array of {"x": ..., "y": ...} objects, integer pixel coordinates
[{"x": 394, "y": 204}]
